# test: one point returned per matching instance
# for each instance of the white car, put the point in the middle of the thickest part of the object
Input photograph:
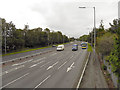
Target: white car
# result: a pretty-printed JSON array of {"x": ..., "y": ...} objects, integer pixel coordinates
[{"x": 60, "y": 47}]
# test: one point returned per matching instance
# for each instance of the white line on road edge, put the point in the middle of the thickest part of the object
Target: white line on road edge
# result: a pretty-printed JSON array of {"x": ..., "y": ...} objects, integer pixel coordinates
[
  {"x": 42, "y": 82},
  {"x": 82, "y": 73},
  {"x": 14, "y": 81}
]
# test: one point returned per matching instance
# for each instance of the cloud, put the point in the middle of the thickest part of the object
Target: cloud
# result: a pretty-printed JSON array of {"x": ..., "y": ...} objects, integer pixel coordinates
[{"x": 63, "y": 15}]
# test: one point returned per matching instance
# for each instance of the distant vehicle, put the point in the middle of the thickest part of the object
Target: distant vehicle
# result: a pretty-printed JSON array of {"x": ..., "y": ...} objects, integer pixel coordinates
[
  {"x": 53, "y": 45},
  {"x": 84, "y": 45},
  {"x": 60, "y": 47},
  {"x": 75, "y": 47}
]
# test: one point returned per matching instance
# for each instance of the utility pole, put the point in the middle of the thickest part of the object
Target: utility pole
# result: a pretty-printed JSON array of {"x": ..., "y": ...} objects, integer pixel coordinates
[
  {"x": 94, "y": 29},
  {"x": 5, "y": 40}
]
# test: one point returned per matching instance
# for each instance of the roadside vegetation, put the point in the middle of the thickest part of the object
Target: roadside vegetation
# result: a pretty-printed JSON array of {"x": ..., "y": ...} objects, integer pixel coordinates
[
  {"x": 16, "y": 40},
  {"x": 89, "y": 48},
  {"x": 107, "y": 44}
]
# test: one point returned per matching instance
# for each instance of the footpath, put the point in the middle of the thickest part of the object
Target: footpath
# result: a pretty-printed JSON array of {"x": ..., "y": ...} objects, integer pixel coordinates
[{"x": 93, "y": 77}]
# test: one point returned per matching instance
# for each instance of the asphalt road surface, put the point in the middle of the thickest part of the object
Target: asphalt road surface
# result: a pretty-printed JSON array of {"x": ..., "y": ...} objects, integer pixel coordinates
[
  {"x": 13, "y": 56},
  {"x": 57, "y": 69}
]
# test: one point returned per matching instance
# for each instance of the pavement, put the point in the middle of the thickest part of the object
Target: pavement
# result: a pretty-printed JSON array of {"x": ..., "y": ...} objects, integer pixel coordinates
[{"x": 93, "y": 77}]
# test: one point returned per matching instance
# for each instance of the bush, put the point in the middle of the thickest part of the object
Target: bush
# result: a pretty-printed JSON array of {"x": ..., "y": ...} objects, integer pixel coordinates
[
  {"x": 104, "y": 67},
  {"x": 105, "y": 44}
]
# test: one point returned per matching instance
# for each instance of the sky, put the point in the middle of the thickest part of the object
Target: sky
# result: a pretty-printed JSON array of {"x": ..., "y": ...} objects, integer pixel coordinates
[{"x": 60, "y": 15}]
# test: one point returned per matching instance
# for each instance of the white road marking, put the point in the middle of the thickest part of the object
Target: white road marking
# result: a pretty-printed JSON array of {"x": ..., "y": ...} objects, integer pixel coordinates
[
  {"x": 69, "y": 68},
  {"x": 33, "y": 65},
  {"x": 71, "y": 57},
  {"x": 14, "y": 81},
  {"x": 52, "y": 66},
  {"x": 44, "y": 64},
  {"x": 42, "y": 82},
  {"x": 13, "y": 69},
  {"x": 81, "y": 77},
  {"x": 53, "y": 54},
  {"x": 36, "y": 64},
  {"x": 62, "y": 64},
  {"x": 39, "y": 59},
  {"x": 22, "y": 62}
]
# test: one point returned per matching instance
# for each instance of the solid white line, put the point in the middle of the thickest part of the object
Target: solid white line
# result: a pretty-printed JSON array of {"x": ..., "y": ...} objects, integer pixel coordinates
[
  {"x": 14, "y": 81},
  {"x": 62, "y": 64},
  {"x": 42, "y": 82},
  {"x": 82, "y": 73}
]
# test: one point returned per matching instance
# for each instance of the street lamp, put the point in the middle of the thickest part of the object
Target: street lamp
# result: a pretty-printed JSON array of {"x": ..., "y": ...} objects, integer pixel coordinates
[{"x": 94, "y": 25}]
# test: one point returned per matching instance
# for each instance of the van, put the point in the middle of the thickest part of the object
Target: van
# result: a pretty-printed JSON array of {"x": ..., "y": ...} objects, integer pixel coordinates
[{"x": 60, "y": 47}]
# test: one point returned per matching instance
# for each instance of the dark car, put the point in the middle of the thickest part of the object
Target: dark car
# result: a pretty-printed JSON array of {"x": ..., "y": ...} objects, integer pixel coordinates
[{"x": 75, "y": 47}]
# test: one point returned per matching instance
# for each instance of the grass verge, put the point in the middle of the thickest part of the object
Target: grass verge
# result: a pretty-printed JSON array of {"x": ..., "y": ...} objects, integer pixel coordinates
[
  {"x": 24, "y": 51},
  {"x": 28, "y": 50},
  {"x": 89, "y": 48}
]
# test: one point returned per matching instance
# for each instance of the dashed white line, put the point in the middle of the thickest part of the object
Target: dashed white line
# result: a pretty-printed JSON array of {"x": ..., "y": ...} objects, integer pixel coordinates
[
  {"x": 44, "y": 64},
  {"x": 13, "y": 69},
  {"x": 71, "y": 57},
  {"x": 36, "y": 64},
  {"x": 69, "y": 68},
  {"x": 42, "y": 82},
  {"x": 33, "y": 65},
  {"x": 22, "y": 62},
  {"x": 52, "y": 66},
  {"x": 62, "y": 64},
  {"x": 14, "y": 81},
  {"x": 39, "y": 59},
  {"x": 53, "y": 54}
]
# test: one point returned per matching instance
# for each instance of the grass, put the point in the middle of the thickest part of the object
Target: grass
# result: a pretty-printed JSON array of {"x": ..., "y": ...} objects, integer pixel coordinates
[
  {"x": 24, "y": 51},
  {"x": 28, "y": 50},
  {"x": 89, "y": 48}
]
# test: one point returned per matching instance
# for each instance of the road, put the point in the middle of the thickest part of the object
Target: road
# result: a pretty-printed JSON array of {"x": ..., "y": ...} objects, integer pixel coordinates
[
  {"x": 13, "y": 56},
  {"x": 56, "y": 69}
]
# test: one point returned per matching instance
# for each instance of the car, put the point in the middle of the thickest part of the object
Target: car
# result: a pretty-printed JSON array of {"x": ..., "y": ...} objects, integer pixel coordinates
[
  {"x": 60, "y": 47},
  {"x": 75, "y": 47},
  {"x": 53, "y": 45}
]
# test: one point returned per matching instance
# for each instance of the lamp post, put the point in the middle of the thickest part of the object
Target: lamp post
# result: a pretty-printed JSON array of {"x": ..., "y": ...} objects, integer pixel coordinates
[{"x": 94, "y": 25}]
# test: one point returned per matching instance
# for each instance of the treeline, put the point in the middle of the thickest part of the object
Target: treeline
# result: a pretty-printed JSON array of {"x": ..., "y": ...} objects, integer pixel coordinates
[
  {"x": 107, "y": 43},
  {"x": 14, "y": 39}
]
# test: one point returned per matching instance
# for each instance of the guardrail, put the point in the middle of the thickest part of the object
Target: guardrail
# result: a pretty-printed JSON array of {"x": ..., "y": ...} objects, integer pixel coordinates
[{"x": 13, "y": 60}]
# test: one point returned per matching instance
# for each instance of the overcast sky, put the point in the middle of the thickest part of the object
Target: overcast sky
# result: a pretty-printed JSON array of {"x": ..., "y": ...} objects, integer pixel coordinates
[{"x": 62, "y": 15}]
